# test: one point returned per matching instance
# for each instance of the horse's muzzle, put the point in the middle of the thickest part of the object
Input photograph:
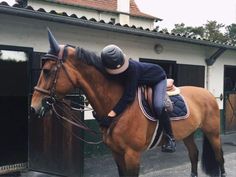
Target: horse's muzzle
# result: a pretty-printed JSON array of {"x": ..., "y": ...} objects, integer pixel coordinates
[
  {"x": 40, "y": 114},
  {"x": 32, "y": 112}
]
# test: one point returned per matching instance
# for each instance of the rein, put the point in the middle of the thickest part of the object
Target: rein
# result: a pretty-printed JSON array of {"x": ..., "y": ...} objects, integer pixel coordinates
[
  {"x": 52, "y": 102},
  {"x": 74, "y": 121}
]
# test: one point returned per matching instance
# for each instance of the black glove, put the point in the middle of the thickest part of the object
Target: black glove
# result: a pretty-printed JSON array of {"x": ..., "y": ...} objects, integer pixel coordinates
[
  {"x": 95, "y": 115},
  {"x": 103, "y": 121}
]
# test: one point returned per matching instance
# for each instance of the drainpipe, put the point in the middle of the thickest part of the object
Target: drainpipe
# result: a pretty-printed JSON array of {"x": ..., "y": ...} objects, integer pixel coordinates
[
  {"x": 207, "y": 77},
  {"x": 210, "y": 61}
]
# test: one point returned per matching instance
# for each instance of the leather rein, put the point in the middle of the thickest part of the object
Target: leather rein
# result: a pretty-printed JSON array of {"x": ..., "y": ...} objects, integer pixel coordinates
[{"x": 52, "y": 98}]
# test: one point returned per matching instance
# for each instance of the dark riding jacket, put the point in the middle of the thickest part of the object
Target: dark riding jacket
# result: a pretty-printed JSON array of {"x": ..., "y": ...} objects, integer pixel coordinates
[{"x": 138, "y": 73}]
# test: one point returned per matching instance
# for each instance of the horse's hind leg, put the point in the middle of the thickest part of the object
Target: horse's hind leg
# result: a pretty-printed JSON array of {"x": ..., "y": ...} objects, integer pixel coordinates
[
  {"x": 193, "y": 153},
  {"x": 212, "y": 154},
  {"x": 213, "y": 140}
]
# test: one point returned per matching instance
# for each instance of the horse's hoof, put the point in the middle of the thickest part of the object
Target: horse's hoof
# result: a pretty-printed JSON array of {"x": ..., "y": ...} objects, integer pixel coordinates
[{"x": 193, "y": 175}]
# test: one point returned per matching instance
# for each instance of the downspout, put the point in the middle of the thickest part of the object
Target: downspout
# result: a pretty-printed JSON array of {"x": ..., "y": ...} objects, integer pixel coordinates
[
  {"x": 207, "y": 77},
  {"x": 210, "y": 61}
]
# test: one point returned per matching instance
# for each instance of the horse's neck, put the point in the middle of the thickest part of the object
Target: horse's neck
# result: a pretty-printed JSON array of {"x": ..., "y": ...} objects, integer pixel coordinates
[{"x": 101, "y": 92}]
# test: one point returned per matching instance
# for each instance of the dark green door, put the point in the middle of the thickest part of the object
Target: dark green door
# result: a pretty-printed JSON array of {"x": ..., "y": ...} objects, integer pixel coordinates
[
  {"x": 13, "y": 109},
  {"x": 192, "y": 75},
  {"x": 52, "y": 147},
  {"x": 230, "y": 99}
]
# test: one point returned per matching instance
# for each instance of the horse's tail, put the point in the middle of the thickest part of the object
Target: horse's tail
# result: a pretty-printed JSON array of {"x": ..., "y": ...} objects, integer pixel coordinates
[{"x": 209, "y": 164}]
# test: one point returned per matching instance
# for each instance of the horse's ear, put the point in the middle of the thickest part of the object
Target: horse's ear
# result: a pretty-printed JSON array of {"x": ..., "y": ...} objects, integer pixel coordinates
[{"x": 54, "y": 46}]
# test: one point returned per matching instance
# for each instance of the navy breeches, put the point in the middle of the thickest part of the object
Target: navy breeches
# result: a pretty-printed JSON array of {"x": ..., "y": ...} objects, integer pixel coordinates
[{"x": 159, "y": 97}]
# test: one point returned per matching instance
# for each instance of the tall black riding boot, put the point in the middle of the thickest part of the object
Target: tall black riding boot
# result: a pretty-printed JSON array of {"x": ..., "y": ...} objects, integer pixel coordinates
[{"x": 170, "y": 145}]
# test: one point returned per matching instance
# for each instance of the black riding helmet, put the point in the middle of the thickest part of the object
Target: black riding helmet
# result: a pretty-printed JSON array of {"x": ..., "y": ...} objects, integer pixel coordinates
[{"x": 114, "y": 59}]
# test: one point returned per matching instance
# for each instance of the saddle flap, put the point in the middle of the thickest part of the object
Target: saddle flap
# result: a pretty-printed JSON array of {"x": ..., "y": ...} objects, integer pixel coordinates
[{"x": 148, "y": 94}]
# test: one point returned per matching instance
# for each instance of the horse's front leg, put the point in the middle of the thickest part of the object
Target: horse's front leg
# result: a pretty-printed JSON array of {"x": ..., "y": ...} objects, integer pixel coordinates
[
  {"x": 128, "y": 163},
  {"x": 193, "y": 154},
  {"x": 132, "y": 162},
  {"x": 120, "y": 163}
]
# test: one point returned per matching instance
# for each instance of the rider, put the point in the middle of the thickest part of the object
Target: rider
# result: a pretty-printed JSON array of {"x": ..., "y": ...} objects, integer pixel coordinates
[{"x": 136, "y": 73}]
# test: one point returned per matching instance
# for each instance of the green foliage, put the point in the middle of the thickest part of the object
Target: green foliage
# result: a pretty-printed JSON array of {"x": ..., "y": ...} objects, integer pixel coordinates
[
  {"x": 211, "y": 31},
  {"x": 165, "y": 30},
  {"x": 188, "y": 30},
  {"x": 231, "y": 33}
]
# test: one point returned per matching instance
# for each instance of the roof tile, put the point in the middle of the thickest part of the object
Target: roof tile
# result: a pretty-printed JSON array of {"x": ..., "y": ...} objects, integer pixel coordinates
[{"x": 41, "y": 10}]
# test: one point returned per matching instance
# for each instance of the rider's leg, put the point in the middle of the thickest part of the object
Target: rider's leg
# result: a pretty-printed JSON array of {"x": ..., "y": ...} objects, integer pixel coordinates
[
  {"x": 162, "y": 115},
  {"x": 170, "y": 144}
]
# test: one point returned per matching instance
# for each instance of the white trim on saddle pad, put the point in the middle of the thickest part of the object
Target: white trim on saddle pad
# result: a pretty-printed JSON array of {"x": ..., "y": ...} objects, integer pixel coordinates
[
  {"x": 152, "y": 145},
  {"x": 171, "y": 118},
  {"x": 142, "y": 108},
  {"x": 151, "y": 118}
]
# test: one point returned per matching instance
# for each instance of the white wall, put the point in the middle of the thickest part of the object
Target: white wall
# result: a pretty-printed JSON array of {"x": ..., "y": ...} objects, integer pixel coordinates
[
  {"x": 141, "y": 22},
  {"x": 27, "y": 32},
  {"x": 47, "y": 6},
  {"x": 216, "y": 74},
  {"x": 106, "y": 16}
]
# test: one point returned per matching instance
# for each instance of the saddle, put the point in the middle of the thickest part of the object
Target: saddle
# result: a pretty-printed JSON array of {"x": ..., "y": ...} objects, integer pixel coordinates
[{"x": 174, "y": 102}]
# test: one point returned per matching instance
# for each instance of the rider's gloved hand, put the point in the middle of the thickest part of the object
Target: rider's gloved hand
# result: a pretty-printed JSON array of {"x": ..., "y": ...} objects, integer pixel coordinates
[{"x": 103, "y": 121}]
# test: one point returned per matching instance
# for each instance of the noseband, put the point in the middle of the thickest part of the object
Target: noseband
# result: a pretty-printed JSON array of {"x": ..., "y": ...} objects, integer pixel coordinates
[{"x": 59, "y": 59}]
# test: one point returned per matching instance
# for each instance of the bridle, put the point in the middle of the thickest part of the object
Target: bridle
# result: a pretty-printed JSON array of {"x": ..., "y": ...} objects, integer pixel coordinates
[
  {"x": 49, "y": 102},
  {"x": 59, "y": 59}
]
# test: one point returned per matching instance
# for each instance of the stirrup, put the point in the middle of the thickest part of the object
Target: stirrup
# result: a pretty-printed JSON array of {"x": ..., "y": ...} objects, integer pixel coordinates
[{"x": 170, "y": 145}]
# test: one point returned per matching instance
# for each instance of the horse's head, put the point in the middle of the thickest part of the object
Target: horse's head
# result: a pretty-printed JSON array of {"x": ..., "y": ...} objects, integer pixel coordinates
[
  {"x": 57, "y": 77},
  {"x": 64, "y": 68}
]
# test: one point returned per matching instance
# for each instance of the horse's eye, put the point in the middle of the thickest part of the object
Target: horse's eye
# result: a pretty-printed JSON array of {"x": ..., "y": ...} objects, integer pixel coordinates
[{"x": 46, "y": 71}]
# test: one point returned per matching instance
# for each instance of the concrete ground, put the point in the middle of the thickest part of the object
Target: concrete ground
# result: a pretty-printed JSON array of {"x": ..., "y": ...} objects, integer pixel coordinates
[{"x": 155, "y": 163}]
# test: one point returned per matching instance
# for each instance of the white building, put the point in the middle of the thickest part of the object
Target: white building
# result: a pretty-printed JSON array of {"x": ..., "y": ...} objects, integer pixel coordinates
[
  {"x": 111, "y": 11},
  {"x": 189, "y": 61}
]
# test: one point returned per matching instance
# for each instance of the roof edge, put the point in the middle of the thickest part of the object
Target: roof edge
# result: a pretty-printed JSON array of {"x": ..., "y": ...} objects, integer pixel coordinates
[{"x": 24, "y": 12}]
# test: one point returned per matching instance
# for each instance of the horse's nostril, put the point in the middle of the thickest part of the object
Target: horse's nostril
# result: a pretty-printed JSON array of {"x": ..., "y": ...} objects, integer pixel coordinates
[{"x": 32, "y": 112}]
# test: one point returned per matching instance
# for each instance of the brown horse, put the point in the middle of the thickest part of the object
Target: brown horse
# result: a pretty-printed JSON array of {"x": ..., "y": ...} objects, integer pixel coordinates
[{"x": 67, "y": 67}]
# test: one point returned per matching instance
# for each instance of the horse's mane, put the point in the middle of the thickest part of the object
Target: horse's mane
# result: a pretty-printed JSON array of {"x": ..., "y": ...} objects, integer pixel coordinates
[{"x": 90, "y": 58}]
